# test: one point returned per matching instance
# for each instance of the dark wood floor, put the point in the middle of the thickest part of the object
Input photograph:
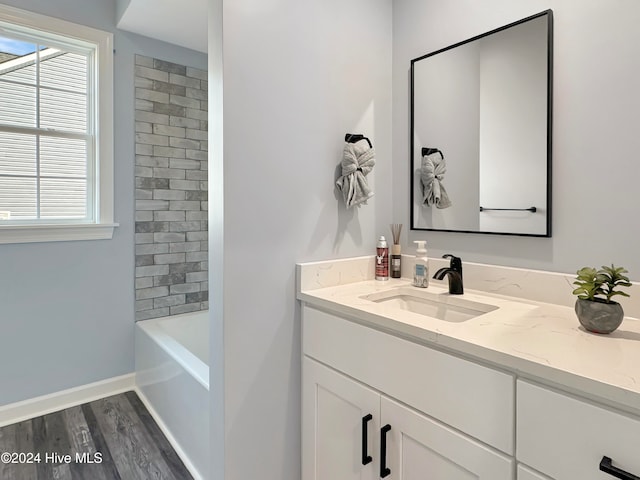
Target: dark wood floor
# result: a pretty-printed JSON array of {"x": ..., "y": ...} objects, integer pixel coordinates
[{"x": 119, "y": 429}]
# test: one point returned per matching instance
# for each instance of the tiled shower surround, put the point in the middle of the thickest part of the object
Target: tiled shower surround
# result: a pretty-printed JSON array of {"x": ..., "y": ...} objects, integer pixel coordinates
[{"x": 171, "y": 188}]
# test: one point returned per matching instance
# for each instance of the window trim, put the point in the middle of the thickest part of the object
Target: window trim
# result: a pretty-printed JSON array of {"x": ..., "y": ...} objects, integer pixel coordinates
[{"x": 103, "y": 224}]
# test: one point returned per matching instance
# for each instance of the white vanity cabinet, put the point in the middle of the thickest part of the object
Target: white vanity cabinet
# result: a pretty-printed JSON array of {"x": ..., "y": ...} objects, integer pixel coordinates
[
  {"x": 352, "y": 387},
  {"x": 566, "y": 437},
  {"x": 521, "y": 393}
]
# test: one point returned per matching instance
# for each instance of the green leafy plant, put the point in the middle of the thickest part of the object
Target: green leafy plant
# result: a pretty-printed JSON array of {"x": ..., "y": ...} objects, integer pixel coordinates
[{"x": 600, "y": 285}]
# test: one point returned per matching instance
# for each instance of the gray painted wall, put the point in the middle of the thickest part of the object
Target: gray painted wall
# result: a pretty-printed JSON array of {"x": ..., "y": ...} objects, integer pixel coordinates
[
  {"x": 67, "y": 313},
  {"x": 595, "y": 149},
  {"x": 121, "y": 7},
  {"x": 298, "y": 75}
]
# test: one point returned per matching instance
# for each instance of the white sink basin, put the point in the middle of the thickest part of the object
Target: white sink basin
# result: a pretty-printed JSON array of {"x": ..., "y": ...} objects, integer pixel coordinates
[{"x": 443, "y": 306}]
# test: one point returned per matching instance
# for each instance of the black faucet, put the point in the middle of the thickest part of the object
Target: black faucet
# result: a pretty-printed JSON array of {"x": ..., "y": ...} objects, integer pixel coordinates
[{"x": 454, "y": 272}]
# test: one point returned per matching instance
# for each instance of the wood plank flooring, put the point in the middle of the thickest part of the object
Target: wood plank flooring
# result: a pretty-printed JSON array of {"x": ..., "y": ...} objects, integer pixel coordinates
[{"x": 114, "y": 438}]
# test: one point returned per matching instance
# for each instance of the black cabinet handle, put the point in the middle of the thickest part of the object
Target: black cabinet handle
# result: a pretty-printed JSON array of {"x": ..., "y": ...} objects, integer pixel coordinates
[
  {"x": 384, "y": 471},
  {"x": 365, "y": 458},
  {"x": 606, "y": 467}
]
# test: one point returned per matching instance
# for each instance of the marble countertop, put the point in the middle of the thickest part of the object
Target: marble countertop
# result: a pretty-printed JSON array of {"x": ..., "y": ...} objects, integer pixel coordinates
[{"x": 535, "y": 340}]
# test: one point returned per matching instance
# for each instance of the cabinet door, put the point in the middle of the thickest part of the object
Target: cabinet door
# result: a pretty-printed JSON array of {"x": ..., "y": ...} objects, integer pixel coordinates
[
  {"x": 334, "y": 409},
  {"x": 525, "y": 473},
  {"x": 566, "y": 438},
  {"x": 418, "y": 447}
]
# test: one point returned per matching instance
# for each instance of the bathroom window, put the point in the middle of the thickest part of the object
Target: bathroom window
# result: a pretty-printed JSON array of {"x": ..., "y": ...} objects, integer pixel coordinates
[{"x": 56, "y": 129}]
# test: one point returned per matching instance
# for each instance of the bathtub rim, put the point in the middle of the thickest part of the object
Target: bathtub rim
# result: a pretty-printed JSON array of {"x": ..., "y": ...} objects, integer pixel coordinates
[{"x": 181, "y": 354}]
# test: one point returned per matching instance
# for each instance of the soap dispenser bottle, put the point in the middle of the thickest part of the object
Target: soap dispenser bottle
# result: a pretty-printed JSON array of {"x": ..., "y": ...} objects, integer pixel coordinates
[{"x": 421, "y": 268}]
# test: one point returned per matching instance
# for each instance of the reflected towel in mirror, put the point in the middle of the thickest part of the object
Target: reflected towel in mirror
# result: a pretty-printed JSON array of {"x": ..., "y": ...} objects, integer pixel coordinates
[
  {"x": 358, "y": 160},
  {"x": 431, "y": 175}
]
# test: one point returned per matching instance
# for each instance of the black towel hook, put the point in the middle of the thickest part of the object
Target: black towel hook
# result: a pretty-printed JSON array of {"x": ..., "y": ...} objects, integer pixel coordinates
[
  {"x": 356, "y": 137},
  {"x": 429, "y": 151}
]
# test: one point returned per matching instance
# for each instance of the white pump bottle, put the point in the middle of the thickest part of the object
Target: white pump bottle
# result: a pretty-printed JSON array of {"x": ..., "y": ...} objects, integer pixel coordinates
[{"x": 421, "y": 268}]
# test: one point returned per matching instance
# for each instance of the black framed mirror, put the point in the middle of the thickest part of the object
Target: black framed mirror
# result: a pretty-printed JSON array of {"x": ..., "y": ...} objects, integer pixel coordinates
[{"x": 481, "y": 120}]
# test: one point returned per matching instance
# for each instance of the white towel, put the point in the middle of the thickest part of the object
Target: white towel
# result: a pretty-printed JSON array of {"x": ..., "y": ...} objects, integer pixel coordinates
[
  {"x": 431, "y": 175},
  {"x": 358, "y": 160}
]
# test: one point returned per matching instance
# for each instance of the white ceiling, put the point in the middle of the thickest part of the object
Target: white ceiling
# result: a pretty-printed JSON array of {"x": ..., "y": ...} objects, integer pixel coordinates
[{"x": 181, "y": 22}]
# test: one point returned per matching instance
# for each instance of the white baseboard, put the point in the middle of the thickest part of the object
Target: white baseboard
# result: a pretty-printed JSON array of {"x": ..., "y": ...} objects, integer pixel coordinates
[
  {"x": 170, "y": 438},
  {"x": 54, "y": 402}
]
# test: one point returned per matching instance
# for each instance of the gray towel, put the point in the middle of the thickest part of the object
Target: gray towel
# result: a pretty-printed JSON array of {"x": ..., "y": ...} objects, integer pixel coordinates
[
  {"x": 431, "y": 175},
  {"x": 358, "y": 160}
]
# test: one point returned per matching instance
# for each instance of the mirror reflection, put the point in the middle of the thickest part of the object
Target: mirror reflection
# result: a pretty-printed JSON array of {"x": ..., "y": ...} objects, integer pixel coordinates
[{"x": 480, "y": 115}]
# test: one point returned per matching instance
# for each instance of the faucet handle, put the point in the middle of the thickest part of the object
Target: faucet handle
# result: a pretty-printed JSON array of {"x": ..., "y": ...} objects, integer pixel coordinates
[{"x": 456, "y": 262}]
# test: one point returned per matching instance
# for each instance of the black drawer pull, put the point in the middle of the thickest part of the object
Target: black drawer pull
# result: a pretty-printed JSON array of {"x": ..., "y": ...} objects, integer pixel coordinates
[
  {"x": 365, "y": 458},
  {"x": 606, "y": 467},
  {"x": 384, "y": 471}
]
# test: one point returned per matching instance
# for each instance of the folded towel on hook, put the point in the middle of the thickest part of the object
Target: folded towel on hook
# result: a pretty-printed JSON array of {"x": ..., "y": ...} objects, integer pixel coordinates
[
  {"x": 358, "y": 160},
  {"x": 431, "y": 175}
]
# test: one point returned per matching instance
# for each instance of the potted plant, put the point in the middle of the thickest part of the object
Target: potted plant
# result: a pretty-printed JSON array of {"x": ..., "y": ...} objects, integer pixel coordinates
[{"x": 594, "y": 307}]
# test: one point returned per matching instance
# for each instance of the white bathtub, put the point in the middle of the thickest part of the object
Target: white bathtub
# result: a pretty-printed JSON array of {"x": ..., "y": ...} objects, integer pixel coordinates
[{"x": 172, "y": 377}]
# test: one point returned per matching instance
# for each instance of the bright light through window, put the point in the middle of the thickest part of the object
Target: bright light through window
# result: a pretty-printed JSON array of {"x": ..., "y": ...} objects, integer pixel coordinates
[
  {"x": 56, "y": 125},
  {"x": 44, "y": 132}
]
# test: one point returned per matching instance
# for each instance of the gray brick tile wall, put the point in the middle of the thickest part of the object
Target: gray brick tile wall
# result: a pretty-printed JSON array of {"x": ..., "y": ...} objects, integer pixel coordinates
[
  {"x": 145, "y": 161},
  {"x": 144, "y": 282},
  {"x": 144, "y": 61},
  {"x": 186, "y": 122},
  {"x": 189, "y": 307},
  {"x": 171, "y": 189},
  {"x": 173, "y": 279},
  {"x": 154, "y": 118},
  {"x": 151, "y": 73},
  {"x": 191, "y": 82},
  {"x": 169, "y": 67},
  {"x": 169, "y": 194}
]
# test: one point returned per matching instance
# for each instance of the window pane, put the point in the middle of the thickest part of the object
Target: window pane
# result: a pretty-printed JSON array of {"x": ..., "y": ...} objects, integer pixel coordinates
[
  {"x": 18, "y": 197},
  {"x": 18, "y": 104},
  {"x": 63, "y": 70},
  {"x": 23, "y": 73},
  {"x": 63, "y": 157},
  {"x": 47, "y": 95},
  {"x": 63, "y": 111},
  {"x": 17, "y": 60},
  {"x": 63, "y": 198},
  {"x": 17, "y": 154},
  {"x": 63, "y": 82}
]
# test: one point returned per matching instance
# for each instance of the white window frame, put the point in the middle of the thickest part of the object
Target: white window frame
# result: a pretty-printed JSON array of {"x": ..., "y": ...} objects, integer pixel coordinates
[{"x": 102, "y": 226}]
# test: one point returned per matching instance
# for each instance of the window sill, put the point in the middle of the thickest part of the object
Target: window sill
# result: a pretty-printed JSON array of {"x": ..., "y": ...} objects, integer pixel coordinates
[{"x": 55, "y": 233}]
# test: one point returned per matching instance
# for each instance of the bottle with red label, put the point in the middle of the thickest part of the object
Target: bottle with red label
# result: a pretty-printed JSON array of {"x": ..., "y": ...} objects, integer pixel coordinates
[{"x": 382, "y": 259}]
